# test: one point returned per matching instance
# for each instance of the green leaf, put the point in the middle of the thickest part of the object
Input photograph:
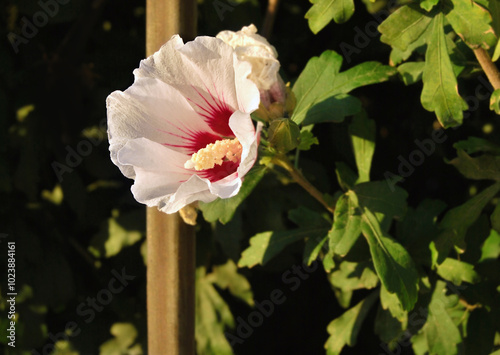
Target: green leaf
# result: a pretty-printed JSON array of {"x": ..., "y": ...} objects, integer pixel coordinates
[
  {"x": 118, "y": 232},
  {"x": 404, "y": 26},
  {"x": 392, "y": 262},
  {"x": 491, "y": 247},
  {"x": 362, "y": 132},
  {"x": 212, "y": 317},
  {"x": 456, "y": 221},
  {"x": 397, "y": 56},
  {"x": 320, "y": 80},
  {"x": 64, "y": 347},
  {"x": 332, "y": 109},
  {"x": 390, "y": 302},
  {"x": 312, "y": 248},
  {"x": 443, "y": 336},
  {"x": 411, "y": 72},
  {"x": 495, "y": 218},
  {"x": 419, "y": 344},
  {"x": 353, "y": 276},
  {"x": 457, "y": 271},
  {"x": 224, "y": 209},
  {"x": 495, "y": 101},
  {"x": 323, "y": 11},
  {"x": 378, "y": 197},
  {"x": 283, "y": 135},
  {"x": 307, "y": 139},
  {"x": 124, "y": 337},
  {"x": 427, "y": 5},
  {"x": 264, "y": 246},
  {"x": 472, "y": 23},
  {"x": 465, "y": 215},
  {"x": 307, "y": 218},
  {"x": 494, "y": 7},
  {"x": 363, "y": 74},
  {"x": 227, "y": 277},
  {"x": 440, "y": 92},
  {"x": 475, "y": 144},
  {"x": 484, "y": 167},
  {"x": 316, "y": 79},
  {"x": 345, "y": 175},
  {"x": 346, "y": 227},
  {"x": 388, "y": 328},
  {"x": 420, "y": 225},
  {"x": 344, "y": 329}
]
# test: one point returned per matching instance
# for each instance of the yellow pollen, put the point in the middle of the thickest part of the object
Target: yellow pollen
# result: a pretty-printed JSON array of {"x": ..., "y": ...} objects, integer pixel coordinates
[{"x": 215, "y": 153}]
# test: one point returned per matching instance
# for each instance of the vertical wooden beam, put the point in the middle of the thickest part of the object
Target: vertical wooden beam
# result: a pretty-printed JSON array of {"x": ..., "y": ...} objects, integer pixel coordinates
[{"x": 171, "y": 243}]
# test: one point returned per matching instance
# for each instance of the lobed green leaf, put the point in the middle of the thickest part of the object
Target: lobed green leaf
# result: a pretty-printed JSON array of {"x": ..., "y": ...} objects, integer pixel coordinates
[
  {"x": 440, "y": 92},
  {"x": 323, "y": 11},
  {"x": 393, "y": 264}
]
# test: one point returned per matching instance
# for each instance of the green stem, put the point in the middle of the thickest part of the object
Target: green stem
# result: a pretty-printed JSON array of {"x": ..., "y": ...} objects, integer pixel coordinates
[{"x": 302, "y": 181}]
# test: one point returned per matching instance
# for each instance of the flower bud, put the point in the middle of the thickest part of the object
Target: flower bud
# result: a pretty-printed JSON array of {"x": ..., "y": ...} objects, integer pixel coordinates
[{"x": 284, "y": 135}]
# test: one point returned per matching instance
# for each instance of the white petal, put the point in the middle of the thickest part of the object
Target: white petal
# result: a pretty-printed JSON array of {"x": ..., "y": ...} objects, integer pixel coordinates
[
  {"x": 160, "y": 179},
  {"x": 204, "y": 66},
  {"x": 257, "y": 51},
  {"x": 156, "y": 111},
  {"x": 249, "y": 137}
]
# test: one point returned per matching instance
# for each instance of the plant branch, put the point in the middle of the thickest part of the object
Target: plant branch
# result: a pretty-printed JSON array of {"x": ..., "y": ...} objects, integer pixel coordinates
[
  {"x": 489, "y": 68},
  {"x": 302, "y": 181}
]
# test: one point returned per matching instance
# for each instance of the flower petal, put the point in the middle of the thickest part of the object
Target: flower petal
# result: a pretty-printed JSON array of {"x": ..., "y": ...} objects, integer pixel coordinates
[
  {"x": 208, "y": 73},
  {"x": 157, "y": 111},
  {"x": 160, "y": 178},
  {"x": 243, "y": 129},
  {"x": 257, "y": 51}
]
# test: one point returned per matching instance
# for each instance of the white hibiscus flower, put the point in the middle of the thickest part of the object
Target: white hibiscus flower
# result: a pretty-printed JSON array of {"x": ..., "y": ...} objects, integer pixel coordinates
[{"x": 183, "y": 130}]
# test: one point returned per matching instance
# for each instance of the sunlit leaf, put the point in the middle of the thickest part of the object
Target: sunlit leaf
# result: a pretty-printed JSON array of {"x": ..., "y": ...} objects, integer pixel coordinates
[
  {"x": 411, "y": 72},
  {"x": 323, "y": 11},
  {"x": 227, "y": 277},
  {"x": 491, "y": 247},
  {"x": 346, "y": 227},
  {"x": 264, "y": 246},
  {"x": 440, "y": 92},
  {"x": 456, "y": 221},
  {"x": 443, "y": 336},
  {"x": 124, "y": 337},
  {"x": 344, "y": 330},
  {"x": 474, "y": 144},
  {"x": 362, "y": 132},
  {"x": 392, "y": 262},
  {"x": 472, "y": 23},
  {"x": 457, "y": 271},
  {"x": 213, "y": 316},
  {"x": 320, "y": 81},
  {"x": 484, "y": 167},
  {"x": 404, "y": 26}
]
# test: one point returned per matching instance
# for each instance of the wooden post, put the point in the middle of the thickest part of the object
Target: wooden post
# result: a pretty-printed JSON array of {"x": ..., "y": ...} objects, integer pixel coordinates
[{"x": 171, "y": 243}]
